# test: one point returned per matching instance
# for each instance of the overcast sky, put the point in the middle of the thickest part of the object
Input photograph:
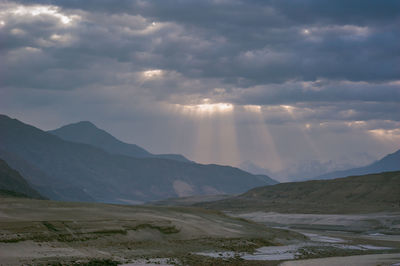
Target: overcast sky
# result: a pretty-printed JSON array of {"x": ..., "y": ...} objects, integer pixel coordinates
[{"x": 223, "y": 81}]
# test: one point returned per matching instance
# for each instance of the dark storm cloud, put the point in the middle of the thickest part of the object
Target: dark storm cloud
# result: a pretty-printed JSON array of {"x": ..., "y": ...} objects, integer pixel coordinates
[
  {"x": 206, "y": 12},
  {"x": 264, "y": 42},
  {"x": 242, "y": 43},
  {"x": 293, "y": 92}
]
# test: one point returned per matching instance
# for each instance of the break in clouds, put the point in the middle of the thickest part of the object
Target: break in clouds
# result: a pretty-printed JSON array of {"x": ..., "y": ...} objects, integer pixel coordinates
[{"x": 275, "y": 80}]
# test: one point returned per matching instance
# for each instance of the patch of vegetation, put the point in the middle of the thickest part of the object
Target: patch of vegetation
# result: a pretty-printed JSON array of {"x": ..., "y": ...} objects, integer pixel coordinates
[
  {"x": 98, "y": 262},
  {"x": 242, "y": 245},
  {"x": 91, "y": 262},
  {"x": 162, "y": 229},
  {"x": 110, "y": 232},
  {"x": 61, "y": 237},
  {"x": 248, "y": 245},
  {"x": 49, "y": 226},
  {"x": 192, "y": 259},
  {"x": 58, "y": 234},
  {"x": 12, "y": 240}
]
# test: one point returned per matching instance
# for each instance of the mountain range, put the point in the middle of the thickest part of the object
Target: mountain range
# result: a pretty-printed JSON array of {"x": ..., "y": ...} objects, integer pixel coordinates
[
  {"x": 102, "y": 172},
  {"x": 310, "y": 170}
]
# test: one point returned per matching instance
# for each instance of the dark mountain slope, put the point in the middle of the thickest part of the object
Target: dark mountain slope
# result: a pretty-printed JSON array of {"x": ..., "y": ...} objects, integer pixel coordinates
[
  {"x": 48, "y": 187},
  {"x": 388, "y": 163},
  {"x": 12, "y": 183},
  {"x": 356, "y": 194},
  {"x": 74, "y": 167},
  {"x": 88, "y": 133}
]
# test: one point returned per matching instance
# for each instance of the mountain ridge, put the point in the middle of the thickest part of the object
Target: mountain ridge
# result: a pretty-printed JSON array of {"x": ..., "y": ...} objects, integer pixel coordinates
[
  {"x": 88, "y": 133},
  {"x": 353, "y": 194}
]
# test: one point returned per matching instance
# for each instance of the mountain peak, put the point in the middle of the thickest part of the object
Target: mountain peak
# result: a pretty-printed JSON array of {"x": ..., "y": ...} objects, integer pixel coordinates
[
  {"x": 87, "y": 123},
  {"x": 81, "y": 124},
  {"x": 82, "y": 129},
  {"x": 88, "y": 133}
]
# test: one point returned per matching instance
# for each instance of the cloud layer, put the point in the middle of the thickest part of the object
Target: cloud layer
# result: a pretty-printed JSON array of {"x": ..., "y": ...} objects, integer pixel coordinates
[{"x": 310, "y": 66}]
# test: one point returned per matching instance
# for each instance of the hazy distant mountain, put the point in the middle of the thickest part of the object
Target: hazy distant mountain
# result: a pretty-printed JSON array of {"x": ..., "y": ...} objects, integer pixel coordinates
[
  {"x": 12, "y": 183},
  {"x": 309, "y": 169},
  {"x": 76, "y": 171},
  {"x": 388, "y": 163},
  {"x": 88, "y": 133},
  {"x": 254, "y": 168},
  {"x": 355, "y": 194}
]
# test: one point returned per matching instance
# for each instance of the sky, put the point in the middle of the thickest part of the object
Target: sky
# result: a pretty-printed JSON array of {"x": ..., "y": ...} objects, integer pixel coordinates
[{"x": 274, "y": 82}]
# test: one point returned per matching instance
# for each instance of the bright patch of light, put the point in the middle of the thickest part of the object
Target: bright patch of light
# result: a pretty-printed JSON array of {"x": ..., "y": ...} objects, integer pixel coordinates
[
  {"x": 210, "y": 107},
  {"x": 386, "y": 134},
  {"x": 206, "y": 108},
  {"x": 56, "y": 37},
  {"x": 288, "y": 108},
  {"x": 61, "y": 38},
  {"x": 32, "y": 49},
  {"x": 42, "y": 10},
  {"x": 154, "y": 73},
  {"x": 17, "y": 32},
  {"x": 356, "y": 30},
  {"x": 351, "y": 30},
  {"x": 252, "y": 108},
  {"x": 151, "y": 28},
  {"x": 356, "y": 123}
]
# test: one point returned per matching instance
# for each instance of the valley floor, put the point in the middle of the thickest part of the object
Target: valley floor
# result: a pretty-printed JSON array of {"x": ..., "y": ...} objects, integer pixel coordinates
[
  {"x": 47, "y": 232},
  {"x": 38, "y": 232}
]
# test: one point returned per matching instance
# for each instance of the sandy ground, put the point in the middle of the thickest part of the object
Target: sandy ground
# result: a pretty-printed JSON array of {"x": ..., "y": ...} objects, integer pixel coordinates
[
  {"x": 364, "y": 260},
  {"x": 19, "y": 253},
  {"x": 42, "y": 232}
]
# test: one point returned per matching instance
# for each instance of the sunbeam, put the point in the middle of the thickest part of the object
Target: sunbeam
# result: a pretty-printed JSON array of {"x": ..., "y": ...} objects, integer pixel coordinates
[
  {"x": 262, "y": 141},
  {"x": 228, "y": 144},
  {"x": 215, "y": 140},
  {"x": 292, "y": 113}
]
